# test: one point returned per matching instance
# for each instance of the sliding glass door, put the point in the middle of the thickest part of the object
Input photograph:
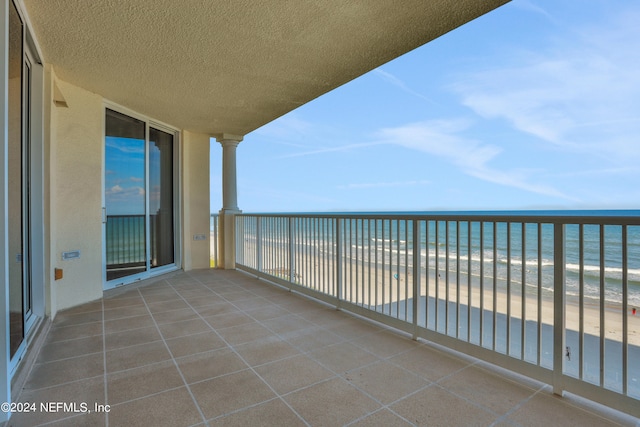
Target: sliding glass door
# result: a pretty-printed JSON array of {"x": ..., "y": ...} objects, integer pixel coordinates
[
  {"x": 19, "y": 182},
  {"x": 139, "y": 198}
]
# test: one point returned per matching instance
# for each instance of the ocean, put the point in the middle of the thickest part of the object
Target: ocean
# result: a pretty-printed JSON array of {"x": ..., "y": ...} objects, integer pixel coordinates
[{"x": 471, "y": 249}]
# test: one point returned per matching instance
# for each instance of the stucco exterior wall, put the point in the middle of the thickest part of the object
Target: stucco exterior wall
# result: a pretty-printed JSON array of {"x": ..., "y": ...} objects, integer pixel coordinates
[
  {"x": 74, "y": 188},
  {"x": 76, "y": 195},
  {"x": 195, "y": 199}
]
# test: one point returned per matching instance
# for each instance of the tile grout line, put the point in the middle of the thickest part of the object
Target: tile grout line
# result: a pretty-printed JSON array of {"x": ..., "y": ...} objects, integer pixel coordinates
[
  {"x": 340, "y": 376},
  {"x": 232, "y": 348},
  {"x": 383, "y": 405},
  {"x": 104, "y": 377},
  {"x": 104, "y": 365},
  {"x": 204, "y": 419},
  {"x": 357, "y": 420},
  {"x": 518, "y": 405},
  {"x": 307, "y": 353}
]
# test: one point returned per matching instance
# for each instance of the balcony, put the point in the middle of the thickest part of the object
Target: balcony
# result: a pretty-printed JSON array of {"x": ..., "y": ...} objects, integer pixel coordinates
[
  {"x": 214, "y": 347},
  {"x": 552, "y": 296}
]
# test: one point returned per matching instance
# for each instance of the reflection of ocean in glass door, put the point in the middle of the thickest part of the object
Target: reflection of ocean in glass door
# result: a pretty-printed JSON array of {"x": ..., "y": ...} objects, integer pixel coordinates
[{"x": 125, "y": 195}]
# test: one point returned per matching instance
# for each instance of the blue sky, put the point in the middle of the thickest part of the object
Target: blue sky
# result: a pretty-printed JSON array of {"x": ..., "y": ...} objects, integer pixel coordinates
[{"x": 535, "y": 105}]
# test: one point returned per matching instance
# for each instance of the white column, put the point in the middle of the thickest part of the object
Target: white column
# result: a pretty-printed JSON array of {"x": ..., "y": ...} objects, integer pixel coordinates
[
  {"x": 229, "y": 181},
  {"x": 226, "y": 233}
]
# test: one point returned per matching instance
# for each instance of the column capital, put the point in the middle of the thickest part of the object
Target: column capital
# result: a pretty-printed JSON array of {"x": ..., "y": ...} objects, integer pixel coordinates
[{"x": 228, "y": 139}]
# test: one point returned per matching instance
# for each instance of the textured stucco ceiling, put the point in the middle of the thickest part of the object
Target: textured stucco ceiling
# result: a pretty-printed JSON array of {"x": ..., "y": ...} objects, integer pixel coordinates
[{"x": 230, "y": 66}]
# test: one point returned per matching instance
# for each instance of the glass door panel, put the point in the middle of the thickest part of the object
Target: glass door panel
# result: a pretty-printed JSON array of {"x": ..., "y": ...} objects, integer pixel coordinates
[
  {"x": 15, "y": 182},
  {"x": 26, "y": 189},
  {"x": 125, "y": 201},
  {"x": 161, "y": 197}
]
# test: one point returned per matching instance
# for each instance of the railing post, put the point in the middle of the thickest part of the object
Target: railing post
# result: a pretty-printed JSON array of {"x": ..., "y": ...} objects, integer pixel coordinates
[
  {"x": 240, "y": 248},
  {"x": 292, "y": 265},
  {"x": 559, "y": 259},
  {"x": 259, "y": 243},
  {"x": 416, "y": 275},
  {"x": 339, "y": 261}
]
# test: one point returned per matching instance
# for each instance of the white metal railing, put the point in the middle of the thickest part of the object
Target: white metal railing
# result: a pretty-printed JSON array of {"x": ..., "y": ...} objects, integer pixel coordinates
[
  {"x": 213, "y": 248},
  {"x": 550, "y": 296}
]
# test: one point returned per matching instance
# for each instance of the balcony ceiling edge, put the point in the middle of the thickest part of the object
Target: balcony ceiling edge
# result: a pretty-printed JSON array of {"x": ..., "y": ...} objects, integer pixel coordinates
[{"x": 231, "y": 66}]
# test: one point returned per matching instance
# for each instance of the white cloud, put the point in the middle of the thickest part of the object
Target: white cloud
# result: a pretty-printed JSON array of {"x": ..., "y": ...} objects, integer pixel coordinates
[
  {"x": 399, "y": 83},
  {"x": 445, "y": 139},
  {"x": 286, "y": 128},
  {"x": 126, "y": 145},
  {"x": 580, "y": 91},
  {"x": 118, "y": 193},
  {"x": 441, "y": 138},
  {"x": 529, "y": 6},
  {"x": 594, "y": 172},
  {"x": 115, "y": 189},
  {"x": 346, "y": 147}
]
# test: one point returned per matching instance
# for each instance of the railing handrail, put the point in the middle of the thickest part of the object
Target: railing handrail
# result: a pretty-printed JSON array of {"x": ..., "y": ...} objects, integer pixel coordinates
[
  {"x": 611, "y": 217},
  {"x": 127, "y": 215}
]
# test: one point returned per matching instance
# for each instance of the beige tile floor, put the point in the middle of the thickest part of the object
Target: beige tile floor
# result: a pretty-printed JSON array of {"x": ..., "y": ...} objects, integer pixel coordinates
[{"x": 220, "y": 348}]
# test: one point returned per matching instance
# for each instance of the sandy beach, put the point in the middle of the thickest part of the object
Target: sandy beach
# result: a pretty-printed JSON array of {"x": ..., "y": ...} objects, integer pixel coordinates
[
  {"x": 388, "y": 289},
  {"x": 381, "y": 287}
]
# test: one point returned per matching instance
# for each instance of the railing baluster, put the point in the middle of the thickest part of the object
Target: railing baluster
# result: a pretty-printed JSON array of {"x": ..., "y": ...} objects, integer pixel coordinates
[
  {"x": 357, "y": 263},
  {"x": 509, "y": 265},
  {"x": 352, "y": 283},
  {"x": 495, "y": 286},
  {"x": 339, "y": 260},
  {"x": 384, "y": 259},
  {"x": 482, "y": 284},
  {"x": 360, "y": 255},
  {"x": 322, "y": 264},
  {"x": 625, "y": 310},
  {"x": 581, "y": 300},
  {"x": 539, "y": 325},
  {"x": 390, "y": 293},
  {"x": 558, "y": 307},
  {"x": 309, "y": 248},
  {"x": 446, "y": 277},
  {"x": 369, "y": 262},
  {"x": 415, "y": 237},
  {"x": 292, "y": 265},
  {"x": 469, "y": 274},
  {"x": 427, "y": 281},
  {"x": 602, "y": 305},
  {"x": 437, "y": 277},
  {"x": 376, "y": 261},
  {"x": 523, "y": 292},
  {"x": 397, "y": 274},
  {"x": 406, "y": 270},
  {"x": 457, "y": 323}
]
